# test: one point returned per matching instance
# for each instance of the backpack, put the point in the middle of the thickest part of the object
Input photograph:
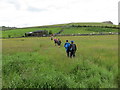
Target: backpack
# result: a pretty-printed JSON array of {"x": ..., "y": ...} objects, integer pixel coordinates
[
  {"x": 72, "y": 47},
  {"x": 59, "y": 42},
  {"x": 67, "y": 45}
]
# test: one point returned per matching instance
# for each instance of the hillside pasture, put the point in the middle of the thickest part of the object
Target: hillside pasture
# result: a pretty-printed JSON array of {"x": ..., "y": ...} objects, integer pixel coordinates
[
  {"x": 66, "y": 30},
  {"x": 85, "y": 24},
  {"x": 21, "y": 31},
  {"x": 87, "y": 30}
]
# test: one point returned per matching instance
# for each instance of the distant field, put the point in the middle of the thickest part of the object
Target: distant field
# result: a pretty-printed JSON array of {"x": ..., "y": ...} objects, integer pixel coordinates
[
  {"x": 67, "y": 29},
  {"x": 37, "y": 63},
  {"x": 21, "y": 32},
  {"x": 87, "y": 30}
]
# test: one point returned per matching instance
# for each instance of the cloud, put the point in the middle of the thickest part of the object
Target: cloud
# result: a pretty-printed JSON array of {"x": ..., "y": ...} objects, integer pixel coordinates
[
  {"x": 119, "y": 12},
  {"x": 22, "y": 13},
  {"x": 14, "y": 3},
  {"x": 34, "y": 9}
]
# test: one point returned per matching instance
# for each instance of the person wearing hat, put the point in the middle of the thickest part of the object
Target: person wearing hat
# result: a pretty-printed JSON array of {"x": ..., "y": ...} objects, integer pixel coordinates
[{"x": 73, "y": 49}]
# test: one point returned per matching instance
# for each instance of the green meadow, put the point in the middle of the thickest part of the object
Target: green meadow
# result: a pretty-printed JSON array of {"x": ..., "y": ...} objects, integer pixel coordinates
[{"x": 35, "y": 62}]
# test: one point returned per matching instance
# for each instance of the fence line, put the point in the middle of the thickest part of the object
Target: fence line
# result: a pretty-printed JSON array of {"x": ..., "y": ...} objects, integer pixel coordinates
[{"x": 68, "y": 35}]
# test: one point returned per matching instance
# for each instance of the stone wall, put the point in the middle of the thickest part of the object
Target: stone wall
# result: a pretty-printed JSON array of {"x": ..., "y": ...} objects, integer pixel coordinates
[{"x": 7, "y": 28}]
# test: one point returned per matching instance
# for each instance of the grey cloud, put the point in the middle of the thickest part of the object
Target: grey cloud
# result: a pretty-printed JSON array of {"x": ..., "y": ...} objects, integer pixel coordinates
[
  {"x": 34, "y": 9},
  {"x": 13, "y": 2},
  {"x": 56, "y": 7},
  {"x": 119, "y": 12}
]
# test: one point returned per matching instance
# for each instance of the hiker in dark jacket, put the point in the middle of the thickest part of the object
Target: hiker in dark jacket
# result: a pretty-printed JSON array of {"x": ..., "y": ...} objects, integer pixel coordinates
[
  {"x": 67, "y": 46},
  {"x": 55, "y": 41},
  {"x": 59, "y": 42},
  {"x": 73, "y": 49}
]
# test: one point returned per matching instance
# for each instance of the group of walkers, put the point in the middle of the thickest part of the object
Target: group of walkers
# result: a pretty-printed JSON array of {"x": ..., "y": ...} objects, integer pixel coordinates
[{"x": 70, "y": 47}]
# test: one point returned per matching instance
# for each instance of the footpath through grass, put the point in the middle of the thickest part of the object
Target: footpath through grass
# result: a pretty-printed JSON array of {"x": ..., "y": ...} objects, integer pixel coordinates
[{"x": 37, "y": 63}]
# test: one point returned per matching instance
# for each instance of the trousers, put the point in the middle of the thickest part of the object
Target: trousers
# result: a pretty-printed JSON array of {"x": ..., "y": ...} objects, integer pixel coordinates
[{"x": 72, "y": 54}]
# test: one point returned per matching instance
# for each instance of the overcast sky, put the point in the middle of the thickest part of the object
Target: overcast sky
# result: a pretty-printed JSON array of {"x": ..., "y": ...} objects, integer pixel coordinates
[
  {"x": 24, "y": 13},
  {"x": 119, "y": 12}
]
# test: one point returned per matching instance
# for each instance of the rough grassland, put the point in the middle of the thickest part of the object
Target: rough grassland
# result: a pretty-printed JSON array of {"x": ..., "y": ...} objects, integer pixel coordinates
[{"x": 37, "y": 63}]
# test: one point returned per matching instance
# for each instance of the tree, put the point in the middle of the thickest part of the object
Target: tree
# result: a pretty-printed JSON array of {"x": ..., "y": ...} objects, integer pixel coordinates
[{"x": 50, "y": 32}]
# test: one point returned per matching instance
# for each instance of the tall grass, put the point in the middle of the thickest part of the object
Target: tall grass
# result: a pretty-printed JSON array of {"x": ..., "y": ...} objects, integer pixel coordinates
[{"x": 37, "y": 63}]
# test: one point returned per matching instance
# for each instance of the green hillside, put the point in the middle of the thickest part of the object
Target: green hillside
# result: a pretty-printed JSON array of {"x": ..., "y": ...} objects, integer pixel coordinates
[
  {"x": 87, "y": 30},
  {"x": 88, "y": 24},
  {"x": 70, "y": 28}
]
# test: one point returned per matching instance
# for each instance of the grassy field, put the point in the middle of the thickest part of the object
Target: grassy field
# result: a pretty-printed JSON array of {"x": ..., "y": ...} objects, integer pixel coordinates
[
  {"x": 87, "y": 30},
  {"x": 66, "y": 30},
  {"x": 21, "y": 32},
  {"x": 37, "y": 63}
]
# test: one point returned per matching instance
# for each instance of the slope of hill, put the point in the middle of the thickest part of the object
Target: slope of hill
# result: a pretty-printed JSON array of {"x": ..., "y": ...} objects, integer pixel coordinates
[
  {"x": 69, "y": 28},
  {"x": 87, "y": 24}
]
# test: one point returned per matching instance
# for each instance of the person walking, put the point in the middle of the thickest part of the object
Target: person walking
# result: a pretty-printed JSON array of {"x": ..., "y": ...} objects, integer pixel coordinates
[
  {"x": 67, "y": 46},
  {"x": 73, "y": 49},
  {"x": 55, "y": 41},
  {"x": 59, "y": 42}
]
